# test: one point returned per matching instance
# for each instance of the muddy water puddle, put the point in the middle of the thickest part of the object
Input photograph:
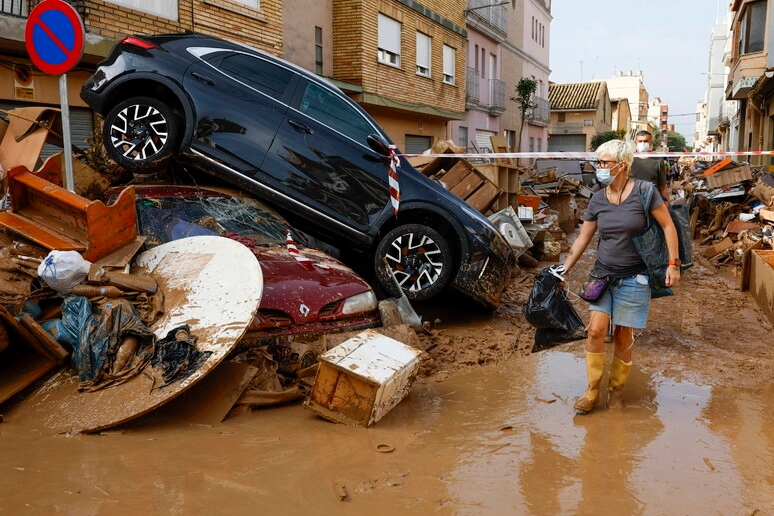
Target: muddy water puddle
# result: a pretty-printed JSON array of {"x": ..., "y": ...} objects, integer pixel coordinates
[{"x": 497, "y": 440}]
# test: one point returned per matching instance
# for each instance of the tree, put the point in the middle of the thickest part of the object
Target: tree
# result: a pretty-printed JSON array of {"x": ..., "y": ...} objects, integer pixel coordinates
[
  {"x": 656, "y": 139},
  {"x": 675, "y": 142},
  {"x": 524, "y": 91},
  {"x": 600, "y": 138}
]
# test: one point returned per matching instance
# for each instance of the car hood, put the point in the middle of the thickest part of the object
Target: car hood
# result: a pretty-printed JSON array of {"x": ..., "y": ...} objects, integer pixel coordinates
[{"x": 298, "y": 288}]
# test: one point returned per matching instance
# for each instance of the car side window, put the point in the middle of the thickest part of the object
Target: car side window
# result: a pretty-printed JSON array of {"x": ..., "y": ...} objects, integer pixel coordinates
[
  {"x": 327, "y": 108},
  {"x": 258, "y": 73}
]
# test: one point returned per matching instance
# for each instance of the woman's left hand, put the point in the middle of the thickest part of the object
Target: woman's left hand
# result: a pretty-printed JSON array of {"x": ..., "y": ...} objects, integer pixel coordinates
[{"x": 672, "y": 275}]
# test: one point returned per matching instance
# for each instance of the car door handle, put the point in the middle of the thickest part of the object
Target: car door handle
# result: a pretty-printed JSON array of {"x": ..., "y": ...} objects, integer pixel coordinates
[
  {"x": 202, "y": 78},
  {"x": 301, "y": 127}
]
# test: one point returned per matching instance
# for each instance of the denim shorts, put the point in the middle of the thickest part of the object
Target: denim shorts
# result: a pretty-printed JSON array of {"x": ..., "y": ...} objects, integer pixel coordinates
[{"x": 627, "y": 300}]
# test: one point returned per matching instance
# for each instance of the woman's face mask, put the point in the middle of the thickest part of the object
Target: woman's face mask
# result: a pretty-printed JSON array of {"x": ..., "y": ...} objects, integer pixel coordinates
[{"x": 603, "y": 174}]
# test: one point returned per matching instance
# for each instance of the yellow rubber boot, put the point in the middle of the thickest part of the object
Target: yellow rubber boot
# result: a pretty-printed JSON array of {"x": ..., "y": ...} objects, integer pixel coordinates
[
  {"x": 619, "y": 373},
  {"x": 595, "y": 366}
]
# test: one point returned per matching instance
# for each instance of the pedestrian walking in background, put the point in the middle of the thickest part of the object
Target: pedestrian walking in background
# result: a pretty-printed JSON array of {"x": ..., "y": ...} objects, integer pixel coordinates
[{"x": 649, "y": 169}]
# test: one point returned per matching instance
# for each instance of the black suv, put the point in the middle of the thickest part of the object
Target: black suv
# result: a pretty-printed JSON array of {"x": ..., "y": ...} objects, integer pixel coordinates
[{"x": 296, "y": 141}]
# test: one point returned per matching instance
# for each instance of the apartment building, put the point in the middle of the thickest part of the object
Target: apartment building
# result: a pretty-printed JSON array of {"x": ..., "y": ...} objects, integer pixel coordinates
[
  {"x": 525, "y": 55},
  {"x": 254, "y": 22},
  {"x": 578, "y": 112},
  {"x": 407, "y": 62},
  {"x": 403, "y": 61},
  {"x": 507, "y": 41},
  {"x": 751, "y": 77}
]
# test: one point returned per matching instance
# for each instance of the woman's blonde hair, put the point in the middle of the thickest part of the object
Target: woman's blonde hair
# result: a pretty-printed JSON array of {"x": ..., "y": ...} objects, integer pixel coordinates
[{"x": 618, "y": 150}]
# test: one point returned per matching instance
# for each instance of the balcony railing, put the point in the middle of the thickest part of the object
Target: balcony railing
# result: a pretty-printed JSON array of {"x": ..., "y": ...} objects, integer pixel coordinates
[
  {"x": 496, "y": 97},
  {"x": 472, "y": 85},
  {"x": 16, "y": 8},
  {"x": 494, "y": 15},
  {"x": 566, "y": 128},
  {"x": 541, "y": 113}
]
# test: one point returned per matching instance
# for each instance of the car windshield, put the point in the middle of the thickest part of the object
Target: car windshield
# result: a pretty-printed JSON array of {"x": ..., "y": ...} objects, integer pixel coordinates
[{"x": 163, "y": 219}]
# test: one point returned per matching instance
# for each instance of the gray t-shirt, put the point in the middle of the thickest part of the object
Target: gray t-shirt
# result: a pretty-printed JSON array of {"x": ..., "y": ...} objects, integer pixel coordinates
[
  {"x": 650, "y": 169},
  {"x": 617, "y": 224}
]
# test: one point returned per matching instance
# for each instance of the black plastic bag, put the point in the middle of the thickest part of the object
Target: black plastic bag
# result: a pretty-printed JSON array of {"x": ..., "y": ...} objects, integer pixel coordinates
[{"x": 549, "y": 310}]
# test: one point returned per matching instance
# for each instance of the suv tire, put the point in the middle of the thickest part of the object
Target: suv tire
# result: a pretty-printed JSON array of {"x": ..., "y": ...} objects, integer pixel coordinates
[
  {"x": 420, "y": 258},
  {"x": 140, "y": 134}
]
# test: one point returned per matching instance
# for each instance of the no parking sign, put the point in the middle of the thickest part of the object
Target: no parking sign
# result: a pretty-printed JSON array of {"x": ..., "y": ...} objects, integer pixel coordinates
[{"x": 54, "y": 37}]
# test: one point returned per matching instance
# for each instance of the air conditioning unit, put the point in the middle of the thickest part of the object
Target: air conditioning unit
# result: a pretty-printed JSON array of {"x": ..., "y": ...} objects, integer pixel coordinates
[{"x": 509, "y": 225}]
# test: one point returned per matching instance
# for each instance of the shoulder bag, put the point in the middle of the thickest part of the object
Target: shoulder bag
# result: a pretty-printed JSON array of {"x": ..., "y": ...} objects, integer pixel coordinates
[{"x": 651, "y": 243}]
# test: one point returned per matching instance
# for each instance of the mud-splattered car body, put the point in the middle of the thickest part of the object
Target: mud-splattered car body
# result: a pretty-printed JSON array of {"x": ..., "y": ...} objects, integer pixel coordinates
[
  {"x": 302, "y": 298},
  {"x": 298, "y": 143}
]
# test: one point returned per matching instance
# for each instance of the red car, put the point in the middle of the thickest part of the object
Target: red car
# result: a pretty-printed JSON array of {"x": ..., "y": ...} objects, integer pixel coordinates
[{"x": 306, "y": 292}]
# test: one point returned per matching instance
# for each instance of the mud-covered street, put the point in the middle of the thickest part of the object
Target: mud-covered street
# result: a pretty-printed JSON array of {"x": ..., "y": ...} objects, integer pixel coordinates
[{"x": 488, "y": 428}]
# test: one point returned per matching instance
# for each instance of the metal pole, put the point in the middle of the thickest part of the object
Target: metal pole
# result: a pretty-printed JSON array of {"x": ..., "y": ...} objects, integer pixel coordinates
[{"x": 68, "y": 149}]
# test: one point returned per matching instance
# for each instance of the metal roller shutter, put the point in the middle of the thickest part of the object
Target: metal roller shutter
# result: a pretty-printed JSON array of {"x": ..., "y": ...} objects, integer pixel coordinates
[
  {"x": 417, "y": 144},
  {"x": 567, "y": 143},
  {"x": 483, "y": 141}
]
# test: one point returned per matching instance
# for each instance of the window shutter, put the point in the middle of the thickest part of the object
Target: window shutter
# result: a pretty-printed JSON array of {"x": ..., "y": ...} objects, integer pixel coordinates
[
  {"x": 163, "y": 8},
  {"x": 757, "y": 24},
  {"x": 389, "y": 34},
  {"x": 449, "y": 56},
  {"x": 423, "y": 50}
]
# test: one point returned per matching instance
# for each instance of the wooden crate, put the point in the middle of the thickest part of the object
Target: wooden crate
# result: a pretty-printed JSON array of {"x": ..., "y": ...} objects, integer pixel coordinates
[
  {"x": 466, "y": 182},
  {"x": 362, "y": 379}
]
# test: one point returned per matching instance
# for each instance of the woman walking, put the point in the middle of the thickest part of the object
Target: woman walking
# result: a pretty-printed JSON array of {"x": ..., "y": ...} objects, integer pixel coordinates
[{"x": 616, "y": 211}]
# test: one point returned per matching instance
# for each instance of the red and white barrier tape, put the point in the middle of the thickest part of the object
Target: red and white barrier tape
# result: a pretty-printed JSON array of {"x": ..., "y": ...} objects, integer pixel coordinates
[
  {"x": 394, "y": 184},
  {"x": 293, "y": 250},
  {"x": 581, "y": 155},
  {"x": 300, "y": 258}
]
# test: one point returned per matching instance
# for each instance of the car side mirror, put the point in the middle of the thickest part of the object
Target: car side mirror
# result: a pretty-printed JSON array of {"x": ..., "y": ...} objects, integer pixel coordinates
[{"x": 378, "y": 145}]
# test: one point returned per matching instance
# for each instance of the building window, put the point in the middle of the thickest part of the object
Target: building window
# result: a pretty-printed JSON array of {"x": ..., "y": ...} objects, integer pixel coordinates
[
  {"x": 752, "y": 28},
  {"x": 249, "y": 3},
  {"x": 540, "y": 145},
  {"x": 560, "y": 117},
  {"x": 449, "y": 64},
  {"x": 532, "y": 144},
  {"x": 510, "y": 137},
  {"x": 389, "y": 40},
  {"x": 318, "y": 51},
  {"x": 167, "y": 9},
  {"x": 423, "y": 54},
  {"x": 462, "y": 137}
]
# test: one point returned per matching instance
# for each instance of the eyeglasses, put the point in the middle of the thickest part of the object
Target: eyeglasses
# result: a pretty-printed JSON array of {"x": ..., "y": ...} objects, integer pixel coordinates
[{"x": 603, "y": 163}]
